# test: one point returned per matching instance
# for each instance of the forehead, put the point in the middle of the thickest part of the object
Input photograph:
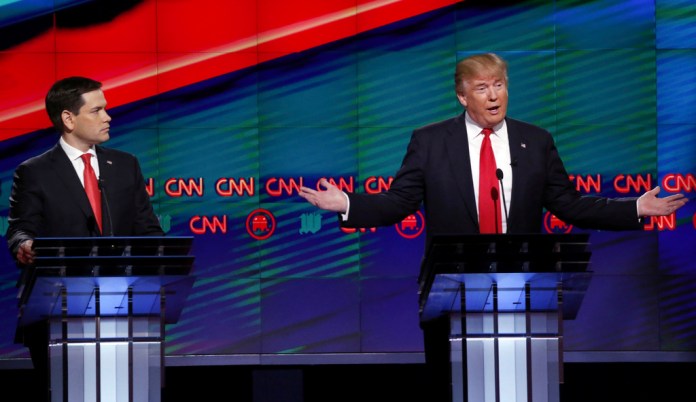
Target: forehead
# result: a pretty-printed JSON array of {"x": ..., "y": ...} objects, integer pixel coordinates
[{"x": 483, "y": 79}]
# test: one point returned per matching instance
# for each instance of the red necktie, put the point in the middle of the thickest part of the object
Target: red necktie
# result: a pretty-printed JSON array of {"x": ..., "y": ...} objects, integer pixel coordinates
[
  {"x": 92, "y": 189},
  {"x": 490, "y": 220}
]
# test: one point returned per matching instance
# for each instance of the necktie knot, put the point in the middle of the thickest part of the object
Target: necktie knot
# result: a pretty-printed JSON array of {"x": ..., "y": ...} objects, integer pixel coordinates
[{"x": 487, "y": 131}]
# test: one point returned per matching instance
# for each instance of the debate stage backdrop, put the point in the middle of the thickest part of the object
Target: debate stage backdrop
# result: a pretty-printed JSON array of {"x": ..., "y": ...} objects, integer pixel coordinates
[{"x": 232, "y": 105}]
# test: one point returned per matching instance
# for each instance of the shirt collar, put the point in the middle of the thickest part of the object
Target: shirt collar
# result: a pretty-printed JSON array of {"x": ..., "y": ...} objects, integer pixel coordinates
[
  {"x": 74, "y": 153},
  {"x": 473, "y": 129}
]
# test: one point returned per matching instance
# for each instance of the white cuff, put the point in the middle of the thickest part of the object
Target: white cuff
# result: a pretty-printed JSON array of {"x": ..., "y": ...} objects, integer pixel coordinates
[{"x": 344, "y": 216}]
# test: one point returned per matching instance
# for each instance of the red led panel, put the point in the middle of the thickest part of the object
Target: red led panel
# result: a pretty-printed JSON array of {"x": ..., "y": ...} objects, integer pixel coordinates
[
  {"x": 206, "y": 25},
  {"x": 158, "y": 46},
  {"x": 131, "y": 31},
  {"x": 177, "y": 68},
  {"x": 26, "y": 79},
  {"x": 285, "y": 27},
  {"x": 373, "y": 14},
  {"x": 129, "y": 76},
  {"x": 44, "y": 41}
]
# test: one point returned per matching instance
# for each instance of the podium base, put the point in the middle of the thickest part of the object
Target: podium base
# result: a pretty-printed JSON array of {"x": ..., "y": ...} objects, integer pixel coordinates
[
  {"x": 507, "y": 355},
  {"x": 505, "y": 369},
  {"x": 109, "y": 359}
]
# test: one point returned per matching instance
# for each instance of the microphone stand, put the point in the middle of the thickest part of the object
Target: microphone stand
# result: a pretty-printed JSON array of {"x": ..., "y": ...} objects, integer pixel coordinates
[{"x": 499, "y": 175}]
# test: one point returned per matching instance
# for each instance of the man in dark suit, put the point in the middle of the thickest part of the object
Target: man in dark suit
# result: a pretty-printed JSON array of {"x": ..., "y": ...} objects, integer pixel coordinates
[
  {"x": 48, "y": 196},
  {"x": 442, "y": 170}
]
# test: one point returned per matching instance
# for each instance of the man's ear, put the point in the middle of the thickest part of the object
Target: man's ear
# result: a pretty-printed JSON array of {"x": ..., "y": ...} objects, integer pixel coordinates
[
  {"x": 462, "y": 98},
  {"x": 68, "y": 120}
]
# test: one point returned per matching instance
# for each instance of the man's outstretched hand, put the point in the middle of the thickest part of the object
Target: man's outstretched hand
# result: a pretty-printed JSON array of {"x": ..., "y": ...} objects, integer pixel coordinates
[
  {"x": 331, "y": 199},
  {"x": 650, "y": 205}
]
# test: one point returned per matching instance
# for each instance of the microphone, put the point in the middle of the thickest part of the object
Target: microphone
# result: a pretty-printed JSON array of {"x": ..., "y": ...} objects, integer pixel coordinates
[
  {"x": 499, "y": 175},
  {"x": 494, "y": 197},
  {"x": 102, "y": 188}
]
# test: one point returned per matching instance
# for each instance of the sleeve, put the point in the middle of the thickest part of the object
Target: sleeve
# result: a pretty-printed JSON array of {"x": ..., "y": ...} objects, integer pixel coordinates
[
  {"x": 585, "y": 211},
  {"x": 403, "y": 198},
  {"x": 25, "y": 212}
]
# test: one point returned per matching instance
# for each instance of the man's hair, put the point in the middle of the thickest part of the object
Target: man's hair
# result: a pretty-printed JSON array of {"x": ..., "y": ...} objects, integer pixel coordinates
[
  {"x": 479, "y": 65},
  {"x": 66, "y": 94}
]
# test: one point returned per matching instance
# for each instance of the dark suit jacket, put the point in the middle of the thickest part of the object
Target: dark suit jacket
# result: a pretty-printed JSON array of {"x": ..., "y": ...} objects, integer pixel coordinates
[
  {"x": 48, "y": 199},
  {"x": 436, "y": 171}
]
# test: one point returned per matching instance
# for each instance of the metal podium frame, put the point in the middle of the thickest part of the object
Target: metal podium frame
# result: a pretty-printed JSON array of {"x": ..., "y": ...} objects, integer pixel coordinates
[
  {"x": 507, "y": 296},
  {"x": 107, "y": 300}
]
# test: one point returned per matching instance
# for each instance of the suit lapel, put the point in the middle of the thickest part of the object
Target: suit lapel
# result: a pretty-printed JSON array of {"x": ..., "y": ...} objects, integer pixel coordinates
[
  {"x": 518, "y": 146},
  {"x": 66, "y": 172},
  {"x": 106, "y": 177},
  {"x": 457, "y": 145},
  {"x": 106, "y": 173}
]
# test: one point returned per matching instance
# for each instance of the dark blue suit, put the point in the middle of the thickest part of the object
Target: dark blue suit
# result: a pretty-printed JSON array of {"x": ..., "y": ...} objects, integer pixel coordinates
[
  {"x": 48, "y": 200},
  {"x": 436, "y": 172}
]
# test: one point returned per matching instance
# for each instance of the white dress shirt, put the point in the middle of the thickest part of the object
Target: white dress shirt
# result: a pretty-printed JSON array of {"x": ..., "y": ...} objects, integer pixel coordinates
[
  {"x": 75, "y": 156},
  {"x": 501, "y": 151}
]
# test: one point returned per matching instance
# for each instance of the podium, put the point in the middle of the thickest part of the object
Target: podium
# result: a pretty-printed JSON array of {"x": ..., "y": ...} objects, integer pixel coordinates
[
  {"x": 506, "y": 297},
  {"x": 106, "y": 301}
]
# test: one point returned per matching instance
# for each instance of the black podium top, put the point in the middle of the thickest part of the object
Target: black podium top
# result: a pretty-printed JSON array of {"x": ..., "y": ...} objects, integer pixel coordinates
[
  {"x": 111, "y": 267},
  {"x": 509, "y": 261}
]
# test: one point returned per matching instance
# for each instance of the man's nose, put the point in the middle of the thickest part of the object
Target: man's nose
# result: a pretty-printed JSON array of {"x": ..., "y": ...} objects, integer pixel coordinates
[{"x": 492, "y": 94}]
